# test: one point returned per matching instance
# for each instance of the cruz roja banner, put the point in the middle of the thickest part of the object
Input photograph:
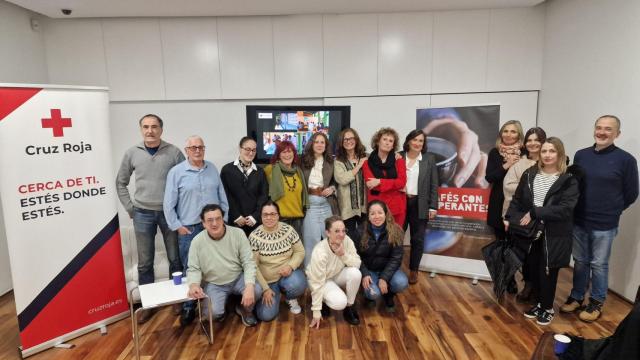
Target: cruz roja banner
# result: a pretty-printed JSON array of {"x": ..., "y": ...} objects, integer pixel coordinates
[
  {"x": 59, "y": 204},
  {"x": 460, "y": 138}
]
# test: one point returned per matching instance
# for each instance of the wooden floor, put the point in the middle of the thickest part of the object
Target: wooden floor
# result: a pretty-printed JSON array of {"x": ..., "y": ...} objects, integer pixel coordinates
[{"x": 445, "y": 317}]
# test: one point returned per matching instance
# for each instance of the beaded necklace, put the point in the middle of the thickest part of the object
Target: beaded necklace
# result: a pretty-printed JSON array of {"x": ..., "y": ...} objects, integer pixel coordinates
[{"x": 290, "y": 187}]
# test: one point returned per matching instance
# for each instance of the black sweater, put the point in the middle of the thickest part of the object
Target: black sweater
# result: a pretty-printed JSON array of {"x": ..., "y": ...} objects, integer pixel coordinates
[
  {"x": 246, "y": 195},
  {"x": 495, "y": 176},
  {"x": 610, "y": 186}
]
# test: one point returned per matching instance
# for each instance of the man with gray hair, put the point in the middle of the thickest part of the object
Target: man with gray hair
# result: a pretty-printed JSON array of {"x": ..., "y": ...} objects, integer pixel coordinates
[
  {"x": 150, "y": 160},
  {"x": 191, "y": 185},
  {"x": 609, "y": 186}
]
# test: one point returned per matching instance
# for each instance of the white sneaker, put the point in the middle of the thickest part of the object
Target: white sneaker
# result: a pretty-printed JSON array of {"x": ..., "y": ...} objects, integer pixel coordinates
[{"x": 294, "y": 307}]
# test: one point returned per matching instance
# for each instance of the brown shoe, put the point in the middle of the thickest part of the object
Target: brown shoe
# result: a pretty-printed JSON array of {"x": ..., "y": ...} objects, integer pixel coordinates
[
  {"x": 571, "y": 305},
  {"x": 413, "y": 277},
  {"x": 176, "y": 309},
  {"x": 145, "y": 315},
  {"x": 592, "y": 312}
]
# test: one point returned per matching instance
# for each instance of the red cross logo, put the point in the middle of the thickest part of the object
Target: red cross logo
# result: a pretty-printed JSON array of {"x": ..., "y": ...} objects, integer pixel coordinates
[{"x": 56, "y": 122}]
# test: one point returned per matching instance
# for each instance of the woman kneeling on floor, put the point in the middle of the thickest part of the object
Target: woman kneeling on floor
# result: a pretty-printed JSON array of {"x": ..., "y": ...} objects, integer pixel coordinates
[
  {"x": 380, "y": 249},
  {"x": 278, "y": 253}
]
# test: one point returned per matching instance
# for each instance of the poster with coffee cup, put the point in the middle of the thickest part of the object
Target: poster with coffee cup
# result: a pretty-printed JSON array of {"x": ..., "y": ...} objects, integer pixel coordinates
[{"x": 460, "y": 138}]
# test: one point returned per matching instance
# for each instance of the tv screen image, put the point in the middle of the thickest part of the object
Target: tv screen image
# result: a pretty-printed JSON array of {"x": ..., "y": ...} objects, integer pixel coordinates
[{"x": 270, "y": 125}]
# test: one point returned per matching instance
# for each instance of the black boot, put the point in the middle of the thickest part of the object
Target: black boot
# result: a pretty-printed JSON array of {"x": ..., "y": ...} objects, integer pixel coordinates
[
  {"x": 350, "y": 315},
  {"x": 187, "y": 316},
  {"x": 389, "y": 304},
  {"x": 325, "y": 311}
]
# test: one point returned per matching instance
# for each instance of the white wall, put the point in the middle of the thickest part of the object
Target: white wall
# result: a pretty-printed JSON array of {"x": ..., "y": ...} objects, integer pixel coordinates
[
  {"x": 22, "y": 61},
  {"x": 591, "y": 67},
  {"x": 308, "y": 56}
]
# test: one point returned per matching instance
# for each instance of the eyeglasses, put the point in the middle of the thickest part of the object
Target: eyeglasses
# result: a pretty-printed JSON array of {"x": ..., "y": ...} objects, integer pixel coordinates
[
  {"x": 270, "y": 214},
  {"x": 249, "y": 150},
  {"x": 348, "y": 139},
  {"x": 196, "y": 148}
]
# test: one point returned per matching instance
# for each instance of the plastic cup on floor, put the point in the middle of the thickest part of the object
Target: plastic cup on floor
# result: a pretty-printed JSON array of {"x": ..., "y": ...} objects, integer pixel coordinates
[{"x": 560, "y": 343}]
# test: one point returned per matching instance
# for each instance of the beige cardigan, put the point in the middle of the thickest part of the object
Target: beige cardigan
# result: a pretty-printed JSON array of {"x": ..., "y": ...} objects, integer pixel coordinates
[
  {"x": 325, "y": 265},
  {"x": 512, "y": 179},
  {"x": 345, "y": 177}
]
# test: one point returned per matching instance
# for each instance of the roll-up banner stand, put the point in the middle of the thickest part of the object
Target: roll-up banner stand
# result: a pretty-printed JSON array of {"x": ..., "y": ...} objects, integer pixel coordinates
[
  {"x": 59, "y": 204},
  {"x": 454, "y": 240}
]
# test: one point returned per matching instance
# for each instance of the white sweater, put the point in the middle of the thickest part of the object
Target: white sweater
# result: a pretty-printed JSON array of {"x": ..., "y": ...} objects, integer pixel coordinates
[{"x": 324, "y": 265}]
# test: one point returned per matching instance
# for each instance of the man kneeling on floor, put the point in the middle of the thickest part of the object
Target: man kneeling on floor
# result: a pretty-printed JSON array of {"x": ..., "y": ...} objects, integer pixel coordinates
[{"x": 220, "y": 258}]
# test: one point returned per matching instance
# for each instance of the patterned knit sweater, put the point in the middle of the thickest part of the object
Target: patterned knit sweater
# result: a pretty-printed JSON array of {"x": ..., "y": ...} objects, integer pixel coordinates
[{"x": 273, "y": 250}]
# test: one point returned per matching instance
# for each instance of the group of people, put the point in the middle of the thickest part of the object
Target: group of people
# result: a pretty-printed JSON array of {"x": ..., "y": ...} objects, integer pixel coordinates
[
  {"x": 336, "y": 223},
  {"x": 333, "y": 224},
  {"x": 572, "y": 209}
]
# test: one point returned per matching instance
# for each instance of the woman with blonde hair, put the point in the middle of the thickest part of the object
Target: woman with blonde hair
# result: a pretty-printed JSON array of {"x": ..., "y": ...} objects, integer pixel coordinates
[
  {"x": 501, "y": 158},
  {"x": 380, "y": 249},
  {"x": 547, "y": 194}
]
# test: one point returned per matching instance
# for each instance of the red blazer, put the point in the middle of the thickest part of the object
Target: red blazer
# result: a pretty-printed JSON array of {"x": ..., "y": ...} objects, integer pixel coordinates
[{"x": 390, "y": 190}]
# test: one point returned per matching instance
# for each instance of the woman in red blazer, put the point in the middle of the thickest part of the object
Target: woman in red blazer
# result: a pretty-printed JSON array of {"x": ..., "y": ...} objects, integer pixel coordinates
[{"x": 386, "y": 176}]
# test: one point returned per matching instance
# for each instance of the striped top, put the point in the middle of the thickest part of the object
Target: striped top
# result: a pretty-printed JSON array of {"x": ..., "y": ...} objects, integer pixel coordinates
[{"x": 541, "y": 185}]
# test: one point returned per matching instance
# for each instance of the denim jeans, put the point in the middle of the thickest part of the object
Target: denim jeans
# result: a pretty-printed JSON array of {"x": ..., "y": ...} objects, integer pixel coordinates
[
  {"x": 293, "y": 286},
  {"x": 591, "y": 252},
  {"x": 145, "y": 224},
  {"x": 219, "y": 294},
  {"x": 397, "y": 284},
  {"x": 184, "y": 242},
  {"x": 313, "y": 224}
]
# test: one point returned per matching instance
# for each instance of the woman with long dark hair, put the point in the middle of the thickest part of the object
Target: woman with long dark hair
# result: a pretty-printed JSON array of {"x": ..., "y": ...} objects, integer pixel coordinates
[
  {"x": 287, "y": 186},
  {"x": 384, "y": 175},
  {"x": 246, "y": 187},
  {"x": 347, "y": 172},
  {"x": 317, "y": 167},
  {"x": 380, "y": 249},
  {"x": 278, "y": 253},
  {"x": 547, "y": 193},
  {"x": 533, "y": 140},
  {"x": 421, "y": 192}
]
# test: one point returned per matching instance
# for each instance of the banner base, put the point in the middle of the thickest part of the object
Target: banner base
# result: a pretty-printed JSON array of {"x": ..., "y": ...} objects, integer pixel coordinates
[
  {"x": 72, "y": 335},
  {"x": 474, "y": 269}
]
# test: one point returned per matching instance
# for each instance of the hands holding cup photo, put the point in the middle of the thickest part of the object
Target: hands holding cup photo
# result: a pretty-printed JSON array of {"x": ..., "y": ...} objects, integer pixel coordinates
[{"x": 447, "y": 133}]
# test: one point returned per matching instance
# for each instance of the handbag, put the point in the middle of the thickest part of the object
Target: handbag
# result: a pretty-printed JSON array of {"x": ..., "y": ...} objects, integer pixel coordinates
[{"x": 532, "y": 231}]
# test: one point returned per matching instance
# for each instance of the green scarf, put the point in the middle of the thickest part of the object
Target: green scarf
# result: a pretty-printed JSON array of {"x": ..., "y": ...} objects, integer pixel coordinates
[{"x": 276, "y": 188}]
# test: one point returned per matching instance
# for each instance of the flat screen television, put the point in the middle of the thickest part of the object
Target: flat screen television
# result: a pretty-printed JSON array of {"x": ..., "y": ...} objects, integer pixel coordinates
[{"x": 269, "y": 125}]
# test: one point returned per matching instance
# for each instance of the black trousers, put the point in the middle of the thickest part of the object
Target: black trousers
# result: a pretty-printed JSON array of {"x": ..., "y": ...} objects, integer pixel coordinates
[
  {"x": 544, "y": 283},
  {"x": 418, "y": 227},
  {"x": 353, "y": 226},
  {"x": 296, "y": 223}
]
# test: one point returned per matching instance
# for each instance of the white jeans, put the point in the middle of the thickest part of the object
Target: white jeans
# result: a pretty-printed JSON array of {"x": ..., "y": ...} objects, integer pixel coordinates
[{"x": 332, "y": 294}]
